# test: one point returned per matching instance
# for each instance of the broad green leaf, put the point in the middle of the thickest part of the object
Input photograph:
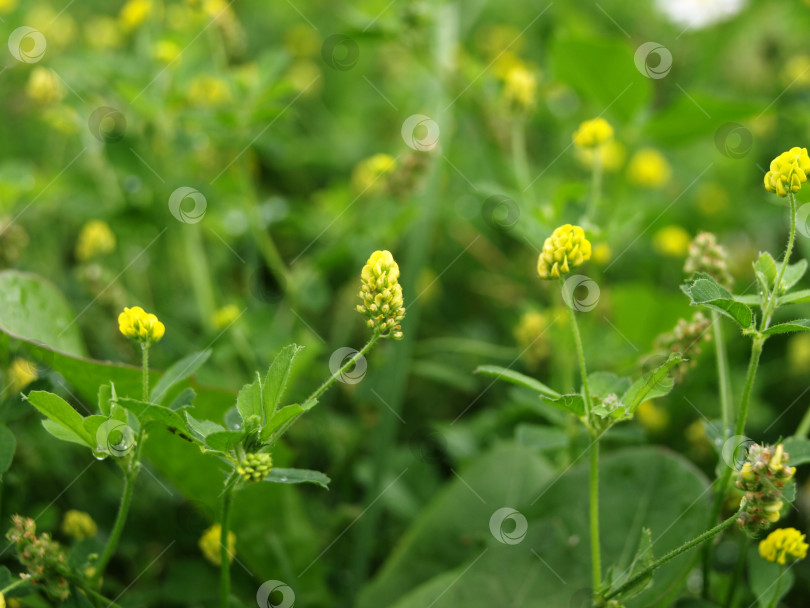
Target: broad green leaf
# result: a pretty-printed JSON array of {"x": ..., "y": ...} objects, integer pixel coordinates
[
  {"x": 797, "y": 297},
  {"x": 786, "y": 328},
  {"x": 574, "y": 404},
  {"x": 8, "y": 443},
  {"x": 467, "y": 538},
  {"x": 765, "y": 269},
  {"x": 224, "y": 440},
  {"x": 91, "y": 424},
  {"x": 655, "y": 383},
  {"x": 184, "y": 399},
  {"x": 280, "y": 418},
  {"x": 61, "y": 433},
  {"x": 603, "y": 71},
  {"x": 203, "y": 428},
  {"x": 178, "y": 372},
  {"x": 642, "y": 560},
  {"x": 298, "y": 476},
  {"x": 33, "y": 309},
  {"x": 543, "y": 438},
  {"x": 752, "y": 300},
  {"x": 249, "y": 400},
  {"x": 61, "y": 412},
  {"x": 104, "y": 397},
  {"x": 794, "y": 273},
  {"x": 705, "y": 291},
  {"x": 764, "y": 579},
  {"x": 603, "y": 384},
  {"x": 147, "y": 412},
  {"x": 514, "y": 377},
  {"x": 798, "y": 448},
  {"x": 276, "y": 380}
]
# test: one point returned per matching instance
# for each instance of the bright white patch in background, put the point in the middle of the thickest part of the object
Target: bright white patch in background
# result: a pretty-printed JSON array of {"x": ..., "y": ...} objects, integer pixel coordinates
[{"x": 698, "y": 14}]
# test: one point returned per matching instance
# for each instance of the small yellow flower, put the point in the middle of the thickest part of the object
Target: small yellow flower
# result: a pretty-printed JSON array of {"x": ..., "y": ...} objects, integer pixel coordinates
[
  {"x": 78, "y": 525},
  {"x": 134, "y": 13},
  {"x": 255, "y": 467},
  {"x": 799, "y": 353},
  {"x": 612, "y": 155},
  {"x": 305, "y": 77},
  {"x": 788, "y": 172},
  {"x": 565, "y": 249},
  {"x": 520, "y": 86},
  {"x": 369, "y": 174},
  {"x": 783, "y": 544},
  {"x": 593, "y": 133},
  {"x": 95, "y": 238},
  {"x": 226, "y": 315},
  {"x": 2, "y": 601},
  {"x": 209, "y": 545},
  {"x": 207, "y": 90},
  {"x": 139, "y": 325},
  {"x": 382, "y": 295},
  {"x": 672, "y": 241},
  {"x": 602, "y": 253},
  {"x": 652, "y": 417},
  {"x": 797, "y": 71},
  {"x": 44, "y": 86},
  {"x": 21, "y": 374},
  {"x": 649, "y": 169}
]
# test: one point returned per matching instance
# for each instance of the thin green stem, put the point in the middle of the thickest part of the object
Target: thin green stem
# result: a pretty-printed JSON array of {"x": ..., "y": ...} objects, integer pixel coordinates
[
  {"x": 804, "y": 426},
  {"x": 581, "y": 356},
  {"x": 145, "y": 370},
  {"x": 775, "y": 601},
  {"x": 108, "y": 603},
  {"x": 224, "y": 550},
  {"x": 770, "y": 307},
  {"x": 722, "y": 373},
  {"x": 708, "y": 534},
  {"x": 331, "y": 380},
  {"x": 118, "y": 527},
  {"x": 596, "y": 184}
]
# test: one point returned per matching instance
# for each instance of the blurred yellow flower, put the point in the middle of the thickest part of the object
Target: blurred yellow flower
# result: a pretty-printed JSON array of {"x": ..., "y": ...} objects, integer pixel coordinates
[
  {"x": 44, "y": 86},
  {"x": 788, "y": 172},
  {"x": 96, "y": 238},
  {"x": 369, "y": 174},
  {"x": 78, "y": 525},
  {"x": 167, "y": 52},
  {"x": 302, "y": 40},
  {"x": 520, "y": 86},
  {"x": 134, "y": 13},
  {"x": 565, "y": 249},
  {"x": 139, "y": 325},
  {"x": 602, "y": 253},
  {"x": 209, "y": 545},
  {"x": 798, "y": 353},
  {"x": 712, "y": 198},
  {"x": 6, "y": 6},
  {"x": 796, "y": 71},
  {"x": 782, "y": 544},
  {"x": 593, "y": 133},
  {"x": 59, "y": 28},
  {"x": 382, "y": 295},
  {"x": 649, "y": 169},
  {"x": 21, "y": 373},
  {"x": 226, "y": 315},
  {"x": 612, "y": 155},
  {"x": 672, "y": 241},
  {"x": 207, "y": 90},
  {"x": 529, "y": 336},
  {"x": 305, "y": 77},
  {"x": 652, "y": 417},
  {"x": 102, "y": 33}
]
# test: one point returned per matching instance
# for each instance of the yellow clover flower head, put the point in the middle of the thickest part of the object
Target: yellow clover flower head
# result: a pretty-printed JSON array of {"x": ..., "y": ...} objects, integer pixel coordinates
[
  {"x": 763, "y": 477},
  {"x": 210, "y": 547},
  {"x": 382, "y": 295},
  {"x": 565, "y": 249},
  {"x": 21, "y": 373},
  {"x": 520, "y": 86},
  {"x": 788, "y": 172},
  {"x": 79, "y": 525},
  {"x": 672, "y": 241},
  {"x": 135, "y": 12},
  {"x": 95, "y": 238},
  {"x": 783, "y": 544},
  {"x": 255, "y": 467},
  {"x": 593, "y": 133},
  {"x": 139, "y": 325},
  {"x": 649, "y": 169}
]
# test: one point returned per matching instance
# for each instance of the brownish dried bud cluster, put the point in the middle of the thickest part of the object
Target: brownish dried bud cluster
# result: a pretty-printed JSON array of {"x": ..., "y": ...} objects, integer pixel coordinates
[
  {"x": 43, "y": 557},
  {"x": 706, "y": 255},
  {"x": 763, "y": 477},
  {"x": 685, "y": 338}
]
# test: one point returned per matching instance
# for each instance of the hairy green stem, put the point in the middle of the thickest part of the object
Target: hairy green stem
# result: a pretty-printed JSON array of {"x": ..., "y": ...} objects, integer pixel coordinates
[
  {"x": 331, "y": 380},
  {"x": 722, "y": 373},
  {"x": 118, "y": 527},
  {"x": 708, "y": 534},
  {"x": 224, "y": 551},
  {"x": 770, "y": 307}
]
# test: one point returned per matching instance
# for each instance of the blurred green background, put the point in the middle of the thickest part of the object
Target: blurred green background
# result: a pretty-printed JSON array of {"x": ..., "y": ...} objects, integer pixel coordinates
[{"x": 287, "y": 119}]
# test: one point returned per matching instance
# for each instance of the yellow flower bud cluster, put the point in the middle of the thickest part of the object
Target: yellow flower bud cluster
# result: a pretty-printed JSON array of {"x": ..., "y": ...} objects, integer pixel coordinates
[
  {"x": 565, "y": 249},
  {"x": 255, "y": 467},
  {"x": 139, "y": 325},
  {"x": 762, "y": 477},
  {"x": 209, "y": 545},
  {"x": 706, "y": 255},
  {"x": 783, "y": 544},
  {"x": 95, "y": 238},
  {"x": 788, "y": 172},
  {"x": 78, "y": 525},
  {"x": 382, "y": 295},
  {"x": 593, "y": 133}
]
